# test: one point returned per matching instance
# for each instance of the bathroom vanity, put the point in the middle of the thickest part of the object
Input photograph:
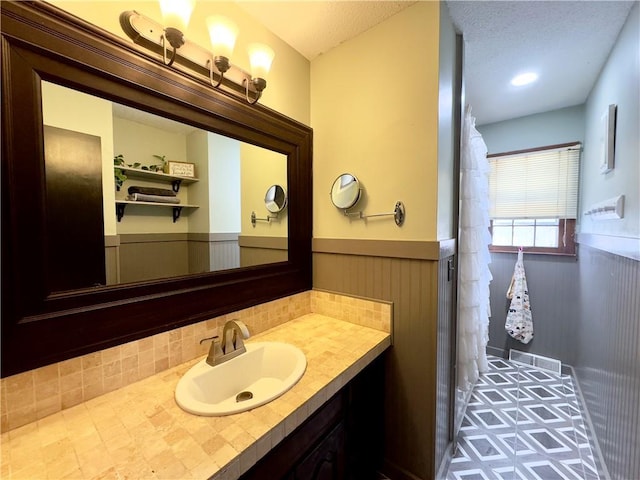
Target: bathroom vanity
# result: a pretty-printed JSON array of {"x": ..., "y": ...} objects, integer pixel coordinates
[
  {"x": 325, "y": 425},
  {"x": 342, "y": 439}
]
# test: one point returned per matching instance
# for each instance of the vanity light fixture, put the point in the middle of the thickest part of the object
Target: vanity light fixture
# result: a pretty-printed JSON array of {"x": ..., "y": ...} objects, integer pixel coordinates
[
  {"x": 176, "y": 15},
  {"x": 214, "y": 64},
  {"x": 260, "y": 58},
  {"x": 223, "y": 33}
]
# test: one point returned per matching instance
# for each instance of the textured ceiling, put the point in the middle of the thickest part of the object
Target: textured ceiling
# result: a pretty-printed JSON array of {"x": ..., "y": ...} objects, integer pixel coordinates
[
  {"x": 315, "y": 27},
  {"x": 565, "y": 42}
]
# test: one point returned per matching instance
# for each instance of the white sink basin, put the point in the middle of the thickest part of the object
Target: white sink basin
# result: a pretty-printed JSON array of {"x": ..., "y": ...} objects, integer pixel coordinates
[{"x": 266, "y": 370}]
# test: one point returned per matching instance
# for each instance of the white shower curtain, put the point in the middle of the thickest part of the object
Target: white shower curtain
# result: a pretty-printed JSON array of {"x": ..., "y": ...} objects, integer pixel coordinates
[{"x": 473, "y": 250}]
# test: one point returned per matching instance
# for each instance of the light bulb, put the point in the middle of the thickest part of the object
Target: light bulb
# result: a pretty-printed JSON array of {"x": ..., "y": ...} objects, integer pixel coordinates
[
  {"x": 260, "y": 58},
  {"x": 223, "y": 33},
  {"x": 176, "y": 13}
]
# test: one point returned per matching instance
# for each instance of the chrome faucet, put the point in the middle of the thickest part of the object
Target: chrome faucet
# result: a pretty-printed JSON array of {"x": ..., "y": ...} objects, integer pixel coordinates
[{"x": 231, "y": 345}]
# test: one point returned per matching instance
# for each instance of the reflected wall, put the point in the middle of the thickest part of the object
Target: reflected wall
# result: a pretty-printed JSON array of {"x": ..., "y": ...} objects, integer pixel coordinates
[{"x": 144, "y": 240}]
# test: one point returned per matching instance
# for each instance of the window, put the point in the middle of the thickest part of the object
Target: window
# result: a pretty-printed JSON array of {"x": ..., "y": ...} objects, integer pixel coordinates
[{"x": 534, "y": 199}]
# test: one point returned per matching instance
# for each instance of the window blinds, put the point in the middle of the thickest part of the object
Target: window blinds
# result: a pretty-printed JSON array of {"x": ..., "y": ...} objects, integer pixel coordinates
[{"x": 539, "y": 184}]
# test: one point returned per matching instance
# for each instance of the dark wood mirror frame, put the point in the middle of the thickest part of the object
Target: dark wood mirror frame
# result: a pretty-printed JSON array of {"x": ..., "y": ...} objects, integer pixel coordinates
[{"x": 42, "y": 42}]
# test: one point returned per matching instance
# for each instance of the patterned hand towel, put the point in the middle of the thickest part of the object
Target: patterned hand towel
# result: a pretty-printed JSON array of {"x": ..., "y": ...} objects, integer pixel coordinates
[{"x": 519, "y": 322}]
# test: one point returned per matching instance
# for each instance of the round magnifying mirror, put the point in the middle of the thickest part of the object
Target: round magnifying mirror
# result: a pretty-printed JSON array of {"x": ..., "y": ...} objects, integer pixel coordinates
[
  {"x": 275, "y": 199},
  {"x": 345, "y": 191}
]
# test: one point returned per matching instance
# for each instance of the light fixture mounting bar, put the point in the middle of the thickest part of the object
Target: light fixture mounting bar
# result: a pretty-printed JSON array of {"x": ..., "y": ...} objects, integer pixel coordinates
[{"x": 191, "y": 57}]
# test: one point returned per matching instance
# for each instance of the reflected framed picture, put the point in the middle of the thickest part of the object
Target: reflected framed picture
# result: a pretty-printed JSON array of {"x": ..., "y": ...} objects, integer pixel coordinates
[
  {"x": 608, "y": 139},
  {"x": 181, "y": 169}
]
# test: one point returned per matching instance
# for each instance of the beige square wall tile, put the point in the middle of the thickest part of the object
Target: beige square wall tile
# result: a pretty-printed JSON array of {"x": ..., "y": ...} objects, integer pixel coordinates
[
  {"x": 146, "y": 357},
  {"x": 128, "y": 349},
  {"x": 17, "y": 400},
  {"x": 146, "y": 370},
  {"x": 22, "y": 416},
  {"x": 19, "y": 382},
  {"x": 145, "y": 344},
  {"x": 65, "y": 384},
  {"x": 48, "y": 406},
  {"x": 70, "y": 398},
  {"x": 92, "y": 360},
  {"x": 92, "y": 390},
  {"x": 46, "y": 374},
  {"x": 112, "y": 368},
  {"x": 71, "y": 381},
  {"x": 111, "y": 354},
  {"x": 130, "y": 363},
  {"x": 47, "y": 389}
]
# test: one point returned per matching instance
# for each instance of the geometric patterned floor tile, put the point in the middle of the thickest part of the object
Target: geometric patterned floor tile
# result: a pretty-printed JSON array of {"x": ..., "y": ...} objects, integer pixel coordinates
[
  {"x": 546, "y": 413},
  {"x": 473, "y": 474},
  {"x": 488, "y": 418},
  {"x": 495, "y": 396},
  {"x": 485, "y": 448},
  {"x": 549, "y": 470},
  {"x": 546, "y": 441},
  {"x": 522, "y": 423}
]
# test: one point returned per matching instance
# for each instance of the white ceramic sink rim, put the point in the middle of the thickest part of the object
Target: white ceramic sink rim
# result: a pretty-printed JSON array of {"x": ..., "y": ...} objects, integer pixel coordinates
[{"x": 266, "y": 369}]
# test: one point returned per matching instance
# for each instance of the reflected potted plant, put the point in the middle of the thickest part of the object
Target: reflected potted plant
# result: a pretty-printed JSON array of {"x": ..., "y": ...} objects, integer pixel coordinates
[
  {"x": 119, "y": 175},
  {"x": 160, "y": 167}
]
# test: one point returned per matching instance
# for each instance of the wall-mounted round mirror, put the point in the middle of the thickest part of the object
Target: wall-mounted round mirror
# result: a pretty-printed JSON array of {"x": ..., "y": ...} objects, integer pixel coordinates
[
  {"x": 275, "y": 199},
  {"x": 345, "y": 191}
]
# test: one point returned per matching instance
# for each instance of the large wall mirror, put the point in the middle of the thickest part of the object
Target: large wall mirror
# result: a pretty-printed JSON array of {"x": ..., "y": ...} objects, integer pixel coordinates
[
  {"x": 157, "y": 223},
  {"x": 127, "y": 192}
]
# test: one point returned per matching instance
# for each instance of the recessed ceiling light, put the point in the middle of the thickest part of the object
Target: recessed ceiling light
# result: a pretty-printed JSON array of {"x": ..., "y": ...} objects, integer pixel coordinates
[{"x": 524, "y": 79}]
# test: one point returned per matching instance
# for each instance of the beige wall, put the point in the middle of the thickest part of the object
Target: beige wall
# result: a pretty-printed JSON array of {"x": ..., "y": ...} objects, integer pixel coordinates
[
  {"x": 288, "y": 81},
  {"x": 261, "y": 168},
  {"x": 381, "y": 104},
  {"x": 224, "y": 184},
  {"x": 198, "y": 192},
  {"x": 139, "y": 142},
  {"x": 374, "y": 111}
]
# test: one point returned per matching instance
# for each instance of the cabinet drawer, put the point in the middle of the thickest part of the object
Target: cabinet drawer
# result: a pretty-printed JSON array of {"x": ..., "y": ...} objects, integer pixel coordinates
[
  {"x": 278, "y": 463},
  {"x": 327, "y": 461}
]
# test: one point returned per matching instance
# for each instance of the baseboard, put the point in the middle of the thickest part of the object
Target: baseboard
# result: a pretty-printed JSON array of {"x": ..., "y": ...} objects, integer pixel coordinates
[
  {"x": 496, "y": 352},
  {"x": 502, "y": 353},
  {"x": 593, "y": 438}
]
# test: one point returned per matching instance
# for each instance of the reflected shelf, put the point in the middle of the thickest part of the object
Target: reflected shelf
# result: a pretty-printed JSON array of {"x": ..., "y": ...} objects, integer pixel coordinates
[
  {"x": 176, "y": 208},
  {"x": 175, "y": 180}
]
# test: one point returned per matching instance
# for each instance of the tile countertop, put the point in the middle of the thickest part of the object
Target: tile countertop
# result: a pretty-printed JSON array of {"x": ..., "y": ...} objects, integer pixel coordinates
[{"x": 140, "y": 432}]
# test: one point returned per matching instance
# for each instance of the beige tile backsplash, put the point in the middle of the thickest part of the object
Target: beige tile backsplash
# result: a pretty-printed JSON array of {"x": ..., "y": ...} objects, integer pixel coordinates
[{"x": 32, "y": 395}]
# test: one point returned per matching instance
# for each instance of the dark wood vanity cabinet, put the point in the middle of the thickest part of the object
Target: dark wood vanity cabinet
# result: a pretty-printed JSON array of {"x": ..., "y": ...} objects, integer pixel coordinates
[
  {"x": 327, "y": 461},
  {"x": 341, "y": 440}
]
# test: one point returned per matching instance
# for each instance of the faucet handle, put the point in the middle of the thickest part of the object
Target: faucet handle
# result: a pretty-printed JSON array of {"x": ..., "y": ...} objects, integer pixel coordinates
[
  {"x": 214, "y": 338},
  {"x": 215, "y": 349}
]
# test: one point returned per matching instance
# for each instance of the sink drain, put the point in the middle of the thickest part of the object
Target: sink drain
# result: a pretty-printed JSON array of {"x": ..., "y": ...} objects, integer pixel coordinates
[{"x": 242, "y": 396}]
